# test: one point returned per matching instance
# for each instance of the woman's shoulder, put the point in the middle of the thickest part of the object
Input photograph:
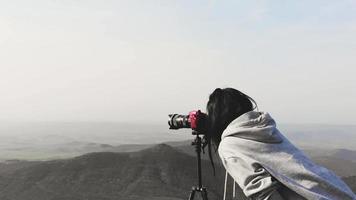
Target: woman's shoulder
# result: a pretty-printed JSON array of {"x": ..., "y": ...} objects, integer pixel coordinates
[{"x": 256, "y": 126}]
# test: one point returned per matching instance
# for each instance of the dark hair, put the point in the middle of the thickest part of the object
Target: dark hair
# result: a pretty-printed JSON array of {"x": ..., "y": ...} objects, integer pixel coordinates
[{"x": 223, "y": 107}]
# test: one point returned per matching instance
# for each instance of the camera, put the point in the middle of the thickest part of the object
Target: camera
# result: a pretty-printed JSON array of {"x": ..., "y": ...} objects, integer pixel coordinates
[{"x": 195, "y": 120}]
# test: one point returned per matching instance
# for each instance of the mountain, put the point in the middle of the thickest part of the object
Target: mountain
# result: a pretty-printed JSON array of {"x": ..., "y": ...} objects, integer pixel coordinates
[
  {"x": 345, "y": 154},
  {"x": 160, "y": 172},
  {"x": 58, "y": 140},
  {"x": 321, "y": 135}
]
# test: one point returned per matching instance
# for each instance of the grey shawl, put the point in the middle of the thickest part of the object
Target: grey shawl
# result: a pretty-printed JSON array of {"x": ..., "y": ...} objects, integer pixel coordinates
[{"x": 255, "y": 153}]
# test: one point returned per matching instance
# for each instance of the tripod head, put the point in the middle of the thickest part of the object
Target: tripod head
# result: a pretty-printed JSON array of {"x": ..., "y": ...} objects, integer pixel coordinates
[{"x": 202, "y": 142}]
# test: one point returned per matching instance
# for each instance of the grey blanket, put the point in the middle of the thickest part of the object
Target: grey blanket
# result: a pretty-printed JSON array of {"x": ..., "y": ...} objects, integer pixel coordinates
[{"x": 256, "y": 154}]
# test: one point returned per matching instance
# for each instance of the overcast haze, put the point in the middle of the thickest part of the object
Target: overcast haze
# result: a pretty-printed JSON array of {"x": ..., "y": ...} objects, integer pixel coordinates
[{"x": 132, "y": 61}]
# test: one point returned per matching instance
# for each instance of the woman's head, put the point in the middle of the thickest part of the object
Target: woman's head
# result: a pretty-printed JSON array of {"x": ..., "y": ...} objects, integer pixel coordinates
[{"x": 223, "y": 107}]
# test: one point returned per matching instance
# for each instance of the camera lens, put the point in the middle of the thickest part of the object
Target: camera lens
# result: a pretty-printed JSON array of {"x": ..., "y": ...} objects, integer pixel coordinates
[{"x": 176, "y": 121}]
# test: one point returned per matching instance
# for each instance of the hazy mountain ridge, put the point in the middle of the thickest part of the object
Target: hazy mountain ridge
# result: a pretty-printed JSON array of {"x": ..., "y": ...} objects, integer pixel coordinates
[
  {"x": 55, "y": 140},
  {"x": 159, "y": 172},
  {"x": 325, "y": 157},
  {"x": 321, "y": 135},
  {"x": 132, "y": 171}
]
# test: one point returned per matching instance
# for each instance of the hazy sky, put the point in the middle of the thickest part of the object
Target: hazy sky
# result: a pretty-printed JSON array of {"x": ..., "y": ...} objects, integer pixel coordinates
[{"x": 140, "y": 60}]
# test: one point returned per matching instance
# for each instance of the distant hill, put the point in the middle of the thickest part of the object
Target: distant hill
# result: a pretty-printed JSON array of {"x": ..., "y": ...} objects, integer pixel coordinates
[
  {"x": 58, "y": 140},
  {"x": 321, "y": 135},
  {"x": 160, "y": 172},
  {"x": 345, "y": 154}
]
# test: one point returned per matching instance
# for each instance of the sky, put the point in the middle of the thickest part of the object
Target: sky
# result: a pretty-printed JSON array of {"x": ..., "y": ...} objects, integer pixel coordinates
[{"x": 137, "y": 61}]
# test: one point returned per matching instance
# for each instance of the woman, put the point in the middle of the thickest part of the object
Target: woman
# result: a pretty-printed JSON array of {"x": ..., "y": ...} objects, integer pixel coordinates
[{"x": 260, "y": 159}]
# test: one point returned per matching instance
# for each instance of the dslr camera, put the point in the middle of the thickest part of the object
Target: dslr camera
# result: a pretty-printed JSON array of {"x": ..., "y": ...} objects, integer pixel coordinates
[{"x": 196, "y": 120}]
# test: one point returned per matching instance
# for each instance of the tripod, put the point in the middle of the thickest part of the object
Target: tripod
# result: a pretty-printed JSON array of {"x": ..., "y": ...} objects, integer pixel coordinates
[{"x": 202, "y": 190}]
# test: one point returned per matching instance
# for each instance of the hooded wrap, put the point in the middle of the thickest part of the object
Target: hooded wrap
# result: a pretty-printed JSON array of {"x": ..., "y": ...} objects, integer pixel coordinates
[{"x": 256, "y": 154}]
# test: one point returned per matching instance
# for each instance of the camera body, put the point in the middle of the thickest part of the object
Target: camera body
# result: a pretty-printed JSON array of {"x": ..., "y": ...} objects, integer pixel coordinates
[{"x": 196, "y": 120}]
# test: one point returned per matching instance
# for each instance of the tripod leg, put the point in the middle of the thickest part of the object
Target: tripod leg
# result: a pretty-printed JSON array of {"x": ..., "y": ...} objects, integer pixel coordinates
[
  {"x": 192, "y": 193},
  {"x": 204, "y": 194}
]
